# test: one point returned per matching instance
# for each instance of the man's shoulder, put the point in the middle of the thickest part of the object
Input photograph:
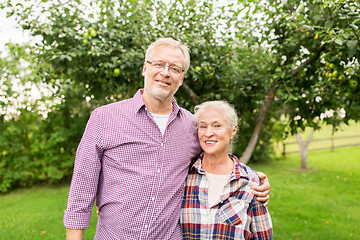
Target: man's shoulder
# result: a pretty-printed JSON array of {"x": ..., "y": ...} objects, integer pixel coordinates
[
  {"x": 120, "y": 106},
  {"x": 186, "y": 114}
]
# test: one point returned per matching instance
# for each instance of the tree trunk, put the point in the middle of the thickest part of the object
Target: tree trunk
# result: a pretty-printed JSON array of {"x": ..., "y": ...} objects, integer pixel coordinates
[
  {"x": 264, "y": 110},
  {"x": 260, "y": 122},
  {"x": 304, "y": 149}
]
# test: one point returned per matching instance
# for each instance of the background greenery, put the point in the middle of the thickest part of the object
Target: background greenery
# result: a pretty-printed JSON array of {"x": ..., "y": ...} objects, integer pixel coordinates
[
  {"x": 321, "y": 203},
  {"x": 281, "y": 63}
]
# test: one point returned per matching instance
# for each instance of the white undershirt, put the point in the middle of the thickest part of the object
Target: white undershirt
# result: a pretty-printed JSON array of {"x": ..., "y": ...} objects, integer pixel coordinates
[
  {"x": 161, "y": 121},
  {"x": 216, "y": 187}
]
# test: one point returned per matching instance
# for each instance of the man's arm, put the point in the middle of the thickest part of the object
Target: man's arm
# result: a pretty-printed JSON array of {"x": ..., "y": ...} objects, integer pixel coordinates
[
  {"x": 84, "y": 183},
  {"x": 262, "y": 192},
  {"x": 74, "y": 234}
]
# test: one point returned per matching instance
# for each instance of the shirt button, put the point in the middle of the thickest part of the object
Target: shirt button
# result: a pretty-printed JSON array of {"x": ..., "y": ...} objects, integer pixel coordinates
[
  {"x": 158, "y": 170},
  {"x": 162, "y": 144},
  {"x": 153, "y": 198},
  {"x": 146, "y": 226}
]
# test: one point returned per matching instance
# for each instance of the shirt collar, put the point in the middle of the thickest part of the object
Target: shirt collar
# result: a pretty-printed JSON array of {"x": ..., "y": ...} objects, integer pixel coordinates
[
  {"x": 237, "y": 173},
  {"x": 139, "y": 102}
]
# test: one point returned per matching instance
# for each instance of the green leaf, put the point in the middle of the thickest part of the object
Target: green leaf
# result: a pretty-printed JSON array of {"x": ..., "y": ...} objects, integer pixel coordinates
[
  {"x": 352, "y": 47},
  {"x": 339, "y": 41}
]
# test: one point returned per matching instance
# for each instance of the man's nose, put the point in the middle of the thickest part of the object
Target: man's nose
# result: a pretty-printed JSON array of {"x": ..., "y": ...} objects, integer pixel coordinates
[{"x": 165, "y": 70}]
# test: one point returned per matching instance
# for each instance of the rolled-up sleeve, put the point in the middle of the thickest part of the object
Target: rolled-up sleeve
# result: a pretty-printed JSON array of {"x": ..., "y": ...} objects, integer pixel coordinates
[{"x": 84, "y": 183}]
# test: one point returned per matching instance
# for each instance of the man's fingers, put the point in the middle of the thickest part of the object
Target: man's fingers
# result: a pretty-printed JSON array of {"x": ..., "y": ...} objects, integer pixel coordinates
[
  {"x": 262, "y": 188},
  {"x": 261, "y": 194},
  {"x": 97, "y": 211},
  {"x": 261, "y": 175},
  {"x": 264, "y": 199}
]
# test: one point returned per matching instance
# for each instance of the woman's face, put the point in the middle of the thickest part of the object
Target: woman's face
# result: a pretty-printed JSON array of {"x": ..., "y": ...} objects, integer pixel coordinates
[{"x": 214, "y": 132}]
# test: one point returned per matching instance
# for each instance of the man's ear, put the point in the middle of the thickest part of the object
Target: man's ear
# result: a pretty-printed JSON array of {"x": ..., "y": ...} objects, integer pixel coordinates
[
  {"x": 182, "y": 80},
  {"x": 144, "y": 69}
]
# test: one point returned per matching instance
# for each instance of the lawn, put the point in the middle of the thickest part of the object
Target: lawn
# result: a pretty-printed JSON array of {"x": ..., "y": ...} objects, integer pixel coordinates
[{"x": 320, "y": 203}]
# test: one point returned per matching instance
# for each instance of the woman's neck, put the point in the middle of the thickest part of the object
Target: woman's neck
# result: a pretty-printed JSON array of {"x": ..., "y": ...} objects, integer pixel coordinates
[{"x": 217, "y": 164}]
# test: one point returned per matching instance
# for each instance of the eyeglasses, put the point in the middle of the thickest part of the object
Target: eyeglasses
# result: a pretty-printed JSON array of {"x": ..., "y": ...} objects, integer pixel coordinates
[{"x": 172, "y": 68}]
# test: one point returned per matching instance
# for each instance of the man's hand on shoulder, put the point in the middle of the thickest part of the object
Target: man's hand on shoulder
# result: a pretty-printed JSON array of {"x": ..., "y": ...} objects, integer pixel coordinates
[{"x": 262, "y": 192}]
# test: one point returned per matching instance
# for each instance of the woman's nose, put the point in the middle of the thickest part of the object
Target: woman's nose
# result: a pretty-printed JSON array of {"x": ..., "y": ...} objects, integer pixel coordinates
[{"x": 209, "y": 132}]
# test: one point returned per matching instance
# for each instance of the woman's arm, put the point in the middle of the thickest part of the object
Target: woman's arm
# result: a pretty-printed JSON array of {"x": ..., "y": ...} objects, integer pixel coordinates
[{"x": 261, "y": 225}]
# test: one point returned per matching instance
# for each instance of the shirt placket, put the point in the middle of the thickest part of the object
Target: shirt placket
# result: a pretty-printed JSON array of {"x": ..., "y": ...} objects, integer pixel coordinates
[
  {"x": 204, "y": 201},
  {"x": 158, "y": 181}
]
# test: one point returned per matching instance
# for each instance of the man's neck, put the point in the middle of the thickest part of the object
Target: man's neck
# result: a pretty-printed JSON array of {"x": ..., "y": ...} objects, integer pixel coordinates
[{"x": 157, "y": 106}]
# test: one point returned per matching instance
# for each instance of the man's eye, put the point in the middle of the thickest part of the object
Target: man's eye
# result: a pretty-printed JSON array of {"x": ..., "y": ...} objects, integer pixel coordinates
[
  {"x": 217, "y": 125},
  {"x": 202, "y": 126},
  {"x": 159, "y": 65},
  {"x": 175, "y": 69}
]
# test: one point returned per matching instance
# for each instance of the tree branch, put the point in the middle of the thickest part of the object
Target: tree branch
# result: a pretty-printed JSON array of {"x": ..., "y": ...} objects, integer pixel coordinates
[
  {"x": 265, "y": 108},
  {"x": 194, "y": 98}
]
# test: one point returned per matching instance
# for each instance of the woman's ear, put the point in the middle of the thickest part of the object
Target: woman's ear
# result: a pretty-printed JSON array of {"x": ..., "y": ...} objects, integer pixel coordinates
[{"x": 233, "y": 132}]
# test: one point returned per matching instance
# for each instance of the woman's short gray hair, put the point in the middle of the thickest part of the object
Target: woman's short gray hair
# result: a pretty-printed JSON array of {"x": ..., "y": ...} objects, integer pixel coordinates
[
  {"x": 170, "y": 42},
  {"x": 228, "y": 110}
]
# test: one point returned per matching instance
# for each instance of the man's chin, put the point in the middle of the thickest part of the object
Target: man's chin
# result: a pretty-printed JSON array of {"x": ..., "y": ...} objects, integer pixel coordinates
[{"x": 161, "y": 95}]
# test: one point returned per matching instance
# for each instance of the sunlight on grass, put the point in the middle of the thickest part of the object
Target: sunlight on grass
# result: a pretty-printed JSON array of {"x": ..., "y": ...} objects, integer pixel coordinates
[
  {"x": 319, "y": 203},
  {"x": 36, "y": 213}
]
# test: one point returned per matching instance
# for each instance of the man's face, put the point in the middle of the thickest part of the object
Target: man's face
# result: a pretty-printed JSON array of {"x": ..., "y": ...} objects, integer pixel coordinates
[{"x": 161, "y": 83}]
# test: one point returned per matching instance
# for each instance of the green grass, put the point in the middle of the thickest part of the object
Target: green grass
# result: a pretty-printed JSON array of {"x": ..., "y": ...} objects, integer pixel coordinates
[
  {"x": 36, "y": 213},
  {"x": 321, "y": 203}
]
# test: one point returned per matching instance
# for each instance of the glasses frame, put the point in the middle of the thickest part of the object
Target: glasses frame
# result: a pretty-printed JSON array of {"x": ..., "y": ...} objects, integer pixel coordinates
[{"x": 152, "y": 63}]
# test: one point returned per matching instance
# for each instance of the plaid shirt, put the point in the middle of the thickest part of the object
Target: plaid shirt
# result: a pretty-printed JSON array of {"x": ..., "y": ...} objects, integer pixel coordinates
[
  {"x": 136, "y": 174},
  {"x": 236, "y": 216}
]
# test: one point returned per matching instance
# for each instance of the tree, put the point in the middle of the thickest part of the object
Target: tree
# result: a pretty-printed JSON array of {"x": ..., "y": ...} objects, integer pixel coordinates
[
  {"x": 315, "y": 47},
  {"x": 268, "y": 58},
  {"x": 304, "y": 148}
]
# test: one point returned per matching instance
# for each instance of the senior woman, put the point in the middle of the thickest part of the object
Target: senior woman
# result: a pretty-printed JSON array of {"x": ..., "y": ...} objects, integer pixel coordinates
[{"x": 218, "y": 203}]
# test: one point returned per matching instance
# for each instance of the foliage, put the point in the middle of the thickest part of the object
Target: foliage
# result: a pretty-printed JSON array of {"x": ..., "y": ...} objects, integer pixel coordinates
[
  {"x": 302, "y": 56},
  {"x": 35, "y": 145},
  {"x": 316, "y": 63}
]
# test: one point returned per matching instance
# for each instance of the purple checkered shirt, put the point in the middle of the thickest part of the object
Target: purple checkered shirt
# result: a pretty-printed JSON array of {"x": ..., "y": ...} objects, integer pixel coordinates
[{"x": 135, "y": 173}]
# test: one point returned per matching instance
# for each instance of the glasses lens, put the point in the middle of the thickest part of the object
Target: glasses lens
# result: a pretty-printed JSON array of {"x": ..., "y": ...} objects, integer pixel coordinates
[
  {"x": 175, "y": 69},
  {"x": 158, "y": 64},
  {"x": 172, "y": 69}
]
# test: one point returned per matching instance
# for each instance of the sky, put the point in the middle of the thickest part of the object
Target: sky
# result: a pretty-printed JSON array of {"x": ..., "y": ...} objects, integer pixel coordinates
[{"x": 9, "y": 31}]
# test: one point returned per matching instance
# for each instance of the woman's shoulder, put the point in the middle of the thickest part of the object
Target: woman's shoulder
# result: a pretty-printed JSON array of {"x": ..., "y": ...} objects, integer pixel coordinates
[{"x": 246, "y": 171}]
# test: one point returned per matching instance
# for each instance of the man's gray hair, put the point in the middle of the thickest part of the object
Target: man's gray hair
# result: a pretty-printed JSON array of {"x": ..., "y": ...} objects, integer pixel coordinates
[{"x": 170, "y": 42}]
